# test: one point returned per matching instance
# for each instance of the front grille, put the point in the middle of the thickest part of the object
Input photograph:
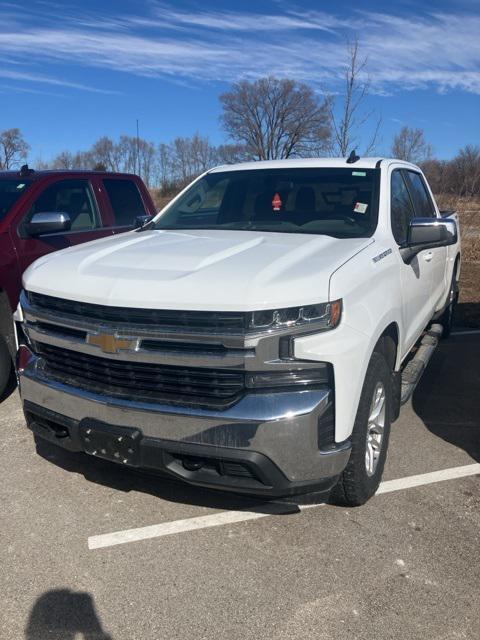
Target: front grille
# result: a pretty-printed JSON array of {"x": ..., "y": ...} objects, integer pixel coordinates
[
  {"x": 151, "y": 382},
  {"x": 199, "y": 321}
]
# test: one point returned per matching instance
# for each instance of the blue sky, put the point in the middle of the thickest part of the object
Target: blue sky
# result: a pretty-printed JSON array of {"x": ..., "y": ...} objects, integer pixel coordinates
[{"x": 72, "y": 71}]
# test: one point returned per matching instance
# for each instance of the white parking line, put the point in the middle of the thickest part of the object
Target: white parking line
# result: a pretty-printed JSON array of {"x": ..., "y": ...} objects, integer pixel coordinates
[
  {"x": 169, "y": 528},
  {"x": 232, "y": 517},
  {"x": 428, "y": 478}
]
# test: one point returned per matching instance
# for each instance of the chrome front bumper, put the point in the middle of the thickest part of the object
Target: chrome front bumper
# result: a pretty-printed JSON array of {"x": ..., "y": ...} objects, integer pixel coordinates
[{"x": 281, "y": 428}]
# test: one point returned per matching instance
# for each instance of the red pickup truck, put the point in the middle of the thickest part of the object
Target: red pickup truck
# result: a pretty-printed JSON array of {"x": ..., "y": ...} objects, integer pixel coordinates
[{"x": 43, "y": 211}]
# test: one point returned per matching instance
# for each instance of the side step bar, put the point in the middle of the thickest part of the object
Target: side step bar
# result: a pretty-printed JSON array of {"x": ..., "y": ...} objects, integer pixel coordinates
[{"x": 412, "y": 372}]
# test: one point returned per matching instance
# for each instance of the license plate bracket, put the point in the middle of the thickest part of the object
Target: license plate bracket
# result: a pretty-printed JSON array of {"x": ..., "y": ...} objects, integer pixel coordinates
[{"x": 117, "y": 444}]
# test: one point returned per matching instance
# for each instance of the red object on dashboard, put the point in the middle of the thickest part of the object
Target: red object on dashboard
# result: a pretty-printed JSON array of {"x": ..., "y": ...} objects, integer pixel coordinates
[{"x": 277, "y": 202}]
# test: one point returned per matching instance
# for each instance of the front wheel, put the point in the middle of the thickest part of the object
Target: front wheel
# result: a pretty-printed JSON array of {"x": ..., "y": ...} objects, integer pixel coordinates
[{"x": 361, "y": 477}]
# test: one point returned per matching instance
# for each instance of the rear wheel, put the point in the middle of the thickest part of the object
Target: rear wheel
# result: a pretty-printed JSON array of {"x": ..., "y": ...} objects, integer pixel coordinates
[
  {"x": 361, "y": 477},
  {"x": 5, "y": 367}
]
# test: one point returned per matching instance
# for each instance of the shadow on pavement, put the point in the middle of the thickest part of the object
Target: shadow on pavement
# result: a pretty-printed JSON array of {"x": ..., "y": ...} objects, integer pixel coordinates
[
  {"x": 127, "y": 479},
  {"x": 447, "y": 398},
  {"x": 467, "y": 314},
  {"x": 62, "y": 614}
]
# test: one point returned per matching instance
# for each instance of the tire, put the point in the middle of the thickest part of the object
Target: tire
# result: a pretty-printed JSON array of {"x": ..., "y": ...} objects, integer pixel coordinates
[
  {"x": 5, "y": 367},
  {"x": 361, "y": 477},
  {"x": 446, "y": 319}
]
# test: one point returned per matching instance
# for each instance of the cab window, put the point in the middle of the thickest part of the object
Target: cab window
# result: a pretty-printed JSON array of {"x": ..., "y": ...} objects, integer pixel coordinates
[
  {"x": 401, "y": 207},
  {"x": 421, "y": 198},
  {"x": 125, "y": 200},
  {"x": 69, "y": 196}
]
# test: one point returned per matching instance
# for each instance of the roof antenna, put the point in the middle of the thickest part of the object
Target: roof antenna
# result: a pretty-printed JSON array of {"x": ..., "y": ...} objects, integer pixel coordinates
[
  {"x": 353, "y": 157},
  {"x": 26, "y": 171}
]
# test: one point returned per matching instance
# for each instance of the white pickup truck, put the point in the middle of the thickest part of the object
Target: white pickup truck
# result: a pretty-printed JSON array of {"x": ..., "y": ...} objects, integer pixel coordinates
[{"x": 259, "y": 335}]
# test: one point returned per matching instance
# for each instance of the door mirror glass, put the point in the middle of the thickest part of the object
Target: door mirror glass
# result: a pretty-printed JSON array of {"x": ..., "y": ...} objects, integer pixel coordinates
[
  {"x": 425, "y": 233},
  {"x": 48, "y": 222}
]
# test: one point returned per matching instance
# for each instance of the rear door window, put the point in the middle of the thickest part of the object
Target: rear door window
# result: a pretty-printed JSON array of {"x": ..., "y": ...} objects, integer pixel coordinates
[
  {"x": 401, "y": 207},
  {"x": 421, "y": 198},
  {"x": 74, "y": 197},
  {"x": 125, "y": 200}
]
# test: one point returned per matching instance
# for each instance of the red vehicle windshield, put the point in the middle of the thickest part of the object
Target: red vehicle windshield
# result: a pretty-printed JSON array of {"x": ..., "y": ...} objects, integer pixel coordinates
[{"x": 10, "y": 192}]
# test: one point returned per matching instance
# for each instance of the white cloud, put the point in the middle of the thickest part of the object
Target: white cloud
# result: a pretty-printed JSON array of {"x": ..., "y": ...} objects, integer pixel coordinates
[
  {"x": 439, "y": 51},
  {"x": 42, "y": 79}
]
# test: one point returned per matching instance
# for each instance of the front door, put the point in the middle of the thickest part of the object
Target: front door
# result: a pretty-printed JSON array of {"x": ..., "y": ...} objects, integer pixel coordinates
[
  {"x": 424, "y": 208},
  {"x": 416, "y": 277},
  {"x": 74, "y": 197}
]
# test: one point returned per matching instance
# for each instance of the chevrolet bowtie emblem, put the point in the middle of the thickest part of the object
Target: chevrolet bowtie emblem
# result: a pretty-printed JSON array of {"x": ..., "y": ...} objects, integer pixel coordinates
[{"x": 109, "y": 343}]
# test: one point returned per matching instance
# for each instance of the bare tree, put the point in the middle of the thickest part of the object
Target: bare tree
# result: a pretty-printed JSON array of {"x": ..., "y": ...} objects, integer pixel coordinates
[
  {"x": 13, "y": 148},
  {"x": 146, "y": 161},
  {"x": 455, "y": 178},
  {"x": 69, "y": 160},
  {"x": 230, "y": 153},
  {"x": 411, "y": 145},
  {"x": 64, "y": 160},
  {"x": 131, "y": 155},
  {"x": 191, "y": 156},
  {"x": 438, "y": 173},
  {"x": 347, "y": 125},
  {"x": 164, "y": 167},
  {"x": 275, "y": 118},
  {"x": 181, "y": 152},
  {"x": 465, "y": 171},
  {"x": 107, "y": 153},
  {"x": 203, "y": 154}
]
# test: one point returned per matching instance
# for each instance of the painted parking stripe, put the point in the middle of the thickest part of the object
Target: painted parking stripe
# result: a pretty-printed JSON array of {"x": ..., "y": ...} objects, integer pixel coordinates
[
  {"x": 169, "y": 528},
  {"x": 428, "y": 478},
  {"x": 232, "y": 517}
]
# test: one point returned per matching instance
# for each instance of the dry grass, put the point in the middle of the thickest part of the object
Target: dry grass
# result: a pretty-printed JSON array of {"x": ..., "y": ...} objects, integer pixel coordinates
[
  {"x": 159, "y": 200},
  {"x": 468, "y": 313}
]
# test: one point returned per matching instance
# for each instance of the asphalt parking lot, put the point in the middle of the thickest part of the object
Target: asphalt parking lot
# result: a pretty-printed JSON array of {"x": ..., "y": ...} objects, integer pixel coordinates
[{"x": 202, "y": 565}]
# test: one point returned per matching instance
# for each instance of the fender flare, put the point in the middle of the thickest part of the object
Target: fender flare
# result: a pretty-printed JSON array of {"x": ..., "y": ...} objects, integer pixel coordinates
[{"x": 388, "y": 320}]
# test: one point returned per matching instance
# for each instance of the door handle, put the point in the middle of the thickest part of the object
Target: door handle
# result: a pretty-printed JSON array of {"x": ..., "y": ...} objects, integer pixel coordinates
[{"x": 428, "y": 256}]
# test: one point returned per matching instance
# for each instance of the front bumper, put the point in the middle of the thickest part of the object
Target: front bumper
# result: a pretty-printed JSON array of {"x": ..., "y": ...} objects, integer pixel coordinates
[{"x": 272, "y": 444}]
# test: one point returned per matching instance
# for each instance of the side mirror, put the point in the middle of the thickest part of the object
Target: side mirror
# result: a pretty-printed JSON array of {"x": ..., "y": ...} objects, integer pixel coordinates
[
  {"x": 428, "y": 233},
  {"x": 48, "y": 222},
  {"x": 141, "y": 221}
]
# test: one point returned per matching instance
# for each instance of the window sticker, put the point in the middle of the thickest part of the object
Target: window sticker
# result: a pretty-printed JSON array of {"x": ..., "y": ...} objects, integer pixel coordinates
[
  {"x": 277, "y": 202},
  {"x": 21, "y": 185},
  {"x": 360, "y": 174},
  {"x": 360, "y": 207}
]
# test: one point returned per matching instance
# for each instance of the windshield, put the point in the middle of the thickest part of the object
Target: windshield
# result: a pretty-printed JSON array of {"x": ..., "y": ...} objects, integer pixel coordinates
[
  {"x": 337, "y": 202},
  {"x": 10, "y": 192}
]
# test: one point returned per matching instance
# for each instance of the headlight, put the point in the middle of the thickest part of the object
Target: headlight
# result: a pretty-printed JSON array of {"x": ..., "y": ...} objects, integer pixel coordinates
[{"x": 323, "y": 316}]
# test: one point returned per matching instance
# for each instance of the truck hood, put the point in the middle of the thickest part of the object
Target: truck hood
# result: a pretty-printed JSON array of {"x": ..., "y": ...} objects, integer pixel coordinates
[{"x": 196, "y": 269}]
